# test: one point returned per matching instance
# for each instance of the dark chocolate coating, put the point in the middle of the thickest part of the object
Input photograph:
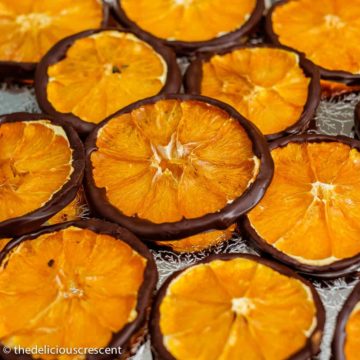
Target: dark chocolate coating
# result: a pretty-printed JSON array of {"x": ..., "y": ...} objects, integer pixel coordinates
[
  {"x": 357, "y": 120},
  {"x": 332, "y": 75},
  {"x": 146, "y": 291},
  {"x": 189, "y": 47},
  {"x": 312, "y": 346},
  {"x": 344, "y": 267},
  {"x": 13, "y": 71},
  {"x": 58, "y": 53},
  {"x": 222, "y": 219},
  {"x": 339, "y": 338},
  {"x": 193, "y": 78},
  {"x": 31, "y": 221}
]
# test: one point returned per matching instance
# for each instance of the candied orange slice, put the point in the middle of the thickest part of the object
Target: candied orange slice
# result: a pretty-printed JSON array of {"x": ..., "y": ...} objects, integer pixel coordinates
[
  {"x": 311, "y": 208},
  {"x": 72, "y": 287},
  {"x": 326, "y": 31},
  {"x": 266, "y": 85},
  {"x": 4, "y": 242},
  {"x": 103, "y": 72},
  {"x": 333, "y": 88},
  {"x": 199, "y": 242},
  {"x": 29, "y": 28},
  {"x": 187, "y": 20},
  {"x": 236, "y": 308}
]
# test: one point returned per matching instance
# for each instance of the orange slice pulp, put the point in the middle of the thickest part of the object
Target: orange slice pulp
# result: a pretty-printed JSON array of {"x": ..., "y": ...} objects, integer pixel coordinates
[
  {"x": 352, "y": 342},
  {"x": 35, "y": 163},
  {"x": 101, "y": 73},
  {"x": 29, "y": 28},
  {"x": 266, "y": 85},
  {"x": 173, "y": 159},
  {"x": 311, "y": 208},
  {"x": 71, "y": 288},
  {"x": 188, "y": 20},
  {"x": 326, "y": 31},
  {"x": 236, "y": 309}
]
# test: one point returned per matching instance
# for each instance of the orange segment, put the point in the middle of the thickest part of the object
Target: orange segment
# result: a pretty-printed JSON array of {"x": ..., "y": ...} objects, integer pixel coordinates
[
  {"x": 154, "y": 161},
  {"x": 35, "y": 163},
  {"x": 186, "y": 20},
  {"x": 28, "y": 29},
  {"x": 63, "y": 295},
  {"x": 311, "y": 208},
  {"x": 352, "y": 329},
  {"x": 265, "y": 85},
  {"x": 236, "y": 309},
  {"x": 325, "y": 31},
  {"x": 101, "y": 73}
]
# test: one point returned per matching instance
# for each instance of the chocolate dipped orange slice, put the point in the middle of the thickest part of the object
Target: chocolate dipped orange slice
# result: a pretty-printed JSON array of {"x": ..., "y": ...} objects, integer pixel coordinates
[
  {"x": 274, "y": 87},
  {"x": 308, "y": 216},
  {"x": 236, "y": 307},
  {"x": 89, "y": 76},
  {"x": 80, "y": 285},
  {"x": 169, "y": 167},
  {"x": 41, "y": 169}
]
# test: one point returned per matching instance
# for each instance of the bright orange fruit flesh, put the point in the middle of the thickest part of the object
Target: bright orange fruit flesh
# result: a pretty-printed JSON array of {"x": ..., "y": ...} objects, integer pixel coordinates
[
  {"x": 35, "y": 163},
  {"x": 29, "y": 28},
  {"x": 352, "y": 330},
  {"x": 3, "y": 243},
  {"x": 326, "y": 31},
  {"x": 103, "y": 73},
  {"x": 200, "y": 241},
  {"x": 311, "y": 209},
  {"x": 236, "y": 309},
  {"x": 73, "y": 288},
  {"x": 188, "y": 20},
  {"x": 173, "y": 159},
  {"x": 265, "y": 85}
]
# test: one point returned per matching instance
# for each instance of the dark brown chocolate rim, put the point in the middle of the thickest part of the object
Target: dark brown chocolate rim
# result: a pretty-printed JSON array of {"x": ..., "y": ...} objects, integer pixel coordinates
[
  {"x": 22, "y": 71},
  {"x": 344, "y": 267},
  {"x": 147, "y": 288},
  {"x": 357, "y": 119},
  {"x": 312, "y": 346},
  {"x": 222, "y": 219},
  {"x": 31, "y": 221},
  {"x": 188, "y": 47},
  {"x": 334, "y": 75},
  {"x": 58, "y": 52},
  {"x": 193, "y": 77},
  {"x": 339, "y": 337}
]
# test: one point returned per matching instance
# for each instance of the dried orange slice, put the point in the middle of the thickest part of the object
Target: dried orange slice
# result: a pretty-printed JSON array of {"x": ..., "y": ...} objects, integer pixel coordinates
[
  {"x": 346, "y": 340},
  {"x": 325, "y": 31},
  {"x": 199, "y": 242},
  {"x": 308, "y": 217},
  {"x": 28, "y": 29},
  {"x": 41, "y": 169},
  {"x": 275, "y": 88},
  {"x": 172, "y": 166},
  {"x": 84, "y": 284},
  {"x": 236, "y": 307},
  {"x": 4, "y": 242},
  {"x": 187, "y": 25},
  {"x": 88, "y": 76}
]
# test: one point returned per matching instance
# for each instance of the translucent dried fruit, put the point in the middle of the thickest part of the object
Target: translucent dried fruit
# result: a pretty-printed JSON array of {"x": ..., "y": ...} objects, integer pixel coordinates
[
  {"x": 352, "y": 343},
  {"x": 186, "y": 20},
  {"x": 266, "y": 85},
  {"x": 29, "y": 28},
  {"x": 235, "y": 308},
  {"x": 3, "y": 243}
]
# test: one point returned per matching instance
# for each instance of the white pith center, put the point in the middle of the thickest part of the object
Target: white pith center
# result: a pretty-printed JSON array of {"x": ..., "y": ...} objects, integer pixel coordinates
[
  {"x": 33, "y": 21},
  {"x": 334, "y": 21},
  {"x": 241, "y": 306},
  {"x": 322, "y": 191}
]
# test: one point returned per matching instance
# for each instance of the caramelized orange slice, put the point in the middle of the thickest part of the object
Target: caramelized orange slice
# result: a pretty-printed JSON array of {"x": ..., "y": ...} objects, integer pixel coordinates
[
  {"x": 326, "y": 31},
  {"x": 266, "y": 85},
  {"x": 187, "y": 20},
  {"x": 309, "y": 213},
  {"x": 199, "y": 242},
  {"x": 28, "y": 29},
  {"x": 72, "y": 287},
  {"x": 234, "y": 307}
]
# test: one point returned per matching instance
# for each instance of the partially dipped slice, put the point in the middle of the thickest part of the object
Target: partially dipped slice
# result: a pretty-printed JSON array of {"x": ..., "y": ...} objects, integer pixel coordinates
[
  {"x": 89, "y": 76},
  {"x": 236, "y": 307},
  {"x": 173, "y": 166},
  {"x": 308, "y": 217},
  {"x": 41, "y": 168},
  {"x": 84, "y": 284}
]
